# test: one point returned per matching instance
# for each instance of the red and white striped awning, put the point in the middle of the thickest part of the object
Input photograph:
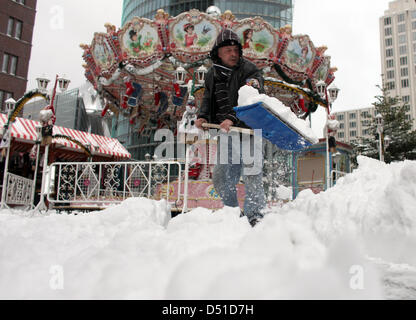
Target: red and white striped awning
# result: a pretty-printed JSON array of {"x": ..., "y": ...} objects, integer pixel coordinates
[{"x": 25, "y": 130}]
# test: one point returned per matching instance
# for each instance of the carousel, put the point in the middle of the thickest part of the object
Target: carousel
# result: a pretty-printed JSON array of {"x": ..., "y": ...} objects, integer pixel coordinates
[{"x": 152, "y": 72}]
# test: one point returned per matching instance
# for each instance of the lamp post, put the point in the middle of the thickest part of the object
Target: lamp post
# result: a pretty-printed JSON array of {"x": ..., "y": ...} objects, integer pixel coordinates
[
  {"x": 180, "y": 75},
  {"x": 333, "y": 91},
  {"x": 380, "y": 129},
  {"x": 10, "y": 104},
  {"x": 63, "y": 86}
]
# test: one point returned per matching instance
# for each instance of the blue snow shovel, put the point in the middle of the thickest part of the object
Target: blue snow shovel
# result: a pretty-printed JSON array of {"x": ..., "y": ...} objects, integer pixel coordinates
[{"x": 275, "y": 129}]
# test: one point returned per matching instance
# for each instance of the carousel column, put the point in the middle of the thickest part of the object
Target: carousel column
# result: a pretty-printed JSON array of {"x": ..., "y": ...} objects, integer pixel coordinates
[
  {"x": 39, "y": 134},
  {"x": 42, "y": 205}
]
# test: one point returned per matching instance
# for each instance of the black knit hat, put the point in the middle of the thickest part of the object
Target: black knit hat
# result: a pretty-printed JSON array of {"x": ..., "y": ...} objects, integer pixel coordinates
[{"x": 227, "y": 37}]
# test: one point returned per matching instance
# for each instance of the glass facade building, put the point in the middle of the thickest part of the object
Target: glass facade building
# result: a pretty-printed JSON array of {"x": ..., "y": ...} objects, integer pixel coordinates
[
  {"x": 70, "y": 113},
  {"x": 277, "y": 12}
]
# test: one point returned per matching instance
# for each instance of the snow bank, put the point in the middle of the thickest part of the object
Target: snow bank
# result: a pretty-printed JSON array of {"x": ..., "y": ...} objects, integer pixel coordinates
[
  {"x": 249, "y": 95},
  {"x": 101, "y": 254},
  {"x": 313, "y": 248},
  {"x": 377, "y": 203}
]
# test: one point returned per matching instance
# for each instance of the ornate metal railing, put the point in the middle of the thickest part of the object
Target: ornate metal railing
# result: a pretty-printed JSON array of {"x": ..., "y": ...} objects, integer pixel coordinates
[
  {"x": 111, "y": 182},
  {"x": 19, "y": 190}
]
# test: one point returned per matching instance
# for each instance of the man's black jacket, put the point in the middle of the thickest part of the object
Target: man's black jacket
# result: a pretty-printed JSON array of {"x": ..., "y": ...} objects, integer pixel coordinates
[{"x": 244, "y": 71}]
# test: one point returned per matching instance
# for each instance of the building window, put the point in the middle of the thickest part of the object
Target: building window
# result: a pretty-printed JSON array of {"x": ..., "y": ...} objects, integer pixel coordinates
[
  {"x": 352, "y": 116},
  {"x": 402, "y": 39},
  {"x": 366, "y": 132},
  {"x": 341, "y": 135},
  {"x": 10, "y": 27},
  {"x": 403, "y": 61},
  {"x": 9, "y": 64},
  {"x": 353, "y": 124},
  {"x": 389, "y": 42},
  {"x": 387, "y": 21},
  {"x": 340, "y": 117},
  {"x": 5, "y": 64},
  {"x": 388, "y": 31},
  {"x": 400, "y": 17},
  {"x": 404, "y": 72},
  {"x": 401, "y": 28},
  {"x": 414, "y": 25},
  {"x": 406, "y": 99},
  {"x": 403, "y": 50},
  {"x": 14, "y": 28},
  {"x": 405, "y": 83},
  {"x": 18, "y": 29},
  {"x": 365, "y": 114},
  {"x": 341, "y": 126},
  {"x": 389, "y": 53},
  {"x": 390, "y": 63},
  {"x": 390, "y": 74},
  {"x": 353, "y": 133},
  {"x": 408, "y": 117},
  {"x": 390, "y": 85}
]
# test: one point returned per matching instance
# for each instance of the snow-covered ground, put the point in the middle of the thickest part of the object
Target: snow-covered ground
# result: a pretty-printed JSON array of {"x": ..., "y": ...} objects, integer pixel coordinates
[{"x": 355, "y": 241}]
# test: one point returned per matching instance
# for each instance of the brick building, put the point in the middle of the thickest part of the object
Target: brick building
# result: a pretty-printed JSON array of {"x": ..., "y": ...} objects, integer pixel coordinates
[{"x": 17, "y": 19}]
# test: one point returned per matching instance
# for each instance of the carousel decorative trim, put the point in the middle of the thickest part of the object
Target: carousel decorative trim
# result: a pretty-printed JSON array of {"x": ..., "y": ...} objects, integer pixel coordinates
[{"x": 146, "y": 54}]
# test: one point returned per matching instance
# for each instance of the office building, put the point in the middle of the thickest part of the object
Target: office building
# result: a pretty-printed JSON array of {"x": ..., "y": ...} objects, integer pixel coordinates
[
  {"x": 398, "y": 52},
  {"x": 277, "y": 12},
  {"x": 354, "y": 124}
]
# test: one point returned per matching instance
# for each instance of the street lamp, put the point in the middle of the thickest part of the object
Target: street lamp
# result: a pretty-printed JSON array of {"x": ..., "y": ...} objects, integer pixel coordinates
[
  {"x": 63, "y": 84},
  {"x": 320, "y": 87},
  {"x": 387, "y": 141},
  {"x": 380, "y": 129},
  {"x": 10, "y": 104},
  {"x": 43, "y": 84},
  {"x": 333, "y": 93},
  {"x": 201, "y": 72},
  {"x": 180, "y": 74},
  {"x": 331, "y": 126}
]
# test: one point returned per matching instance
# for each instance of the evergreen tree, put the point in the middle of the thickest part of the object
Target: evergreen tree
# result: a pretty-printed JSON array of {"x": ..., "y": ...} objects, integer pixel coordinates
[{"x": 399, "y": 129}]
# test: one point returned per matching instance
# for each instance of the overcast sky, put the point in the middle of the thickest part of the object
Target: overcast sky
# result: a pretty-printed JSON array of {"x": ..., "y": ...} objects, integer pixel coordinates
[{"x": 350, "y": 30}]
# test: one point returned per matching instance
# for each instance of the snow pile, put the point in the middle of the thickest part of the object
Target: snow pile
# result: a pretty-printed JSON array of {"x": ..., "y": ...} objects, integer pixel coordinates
[
  {"x": 249, "y": 95},
  {"x": 377, "y": 203},
  {"x": 284, "y": 193},
  {"x": 312, "y": 248}
]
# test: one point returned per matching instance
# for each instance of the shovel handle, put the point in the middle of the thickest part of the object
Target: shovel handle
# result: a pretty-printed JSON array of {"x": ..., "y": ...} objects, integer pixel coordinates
[{"x": 237, "y": 129}]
